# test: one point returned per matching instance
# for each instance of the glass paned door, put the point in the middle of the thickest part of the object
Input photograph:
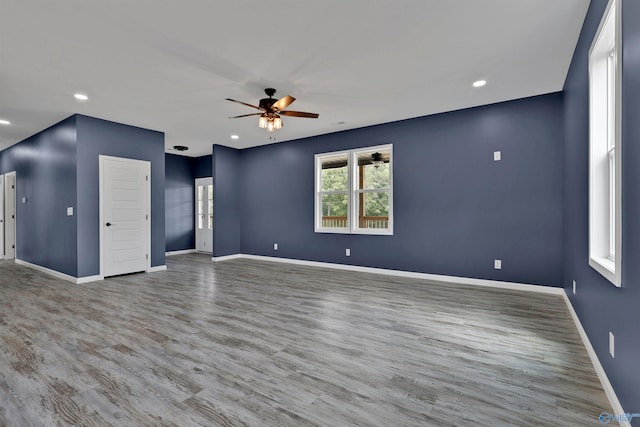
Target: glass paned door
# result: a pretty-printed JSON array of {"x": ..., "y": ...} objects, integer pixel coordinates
[{"x": 204, "y": 215}]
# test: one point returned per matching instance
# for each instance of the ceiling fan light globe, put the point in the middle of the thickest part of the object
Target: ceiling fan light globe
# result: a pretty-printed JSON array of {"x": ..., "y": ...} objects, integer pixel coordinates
[
  {"x": 270, "y": 126},
  {"x": 277, "y": 123},
  {"x": 262, "y": 122}
]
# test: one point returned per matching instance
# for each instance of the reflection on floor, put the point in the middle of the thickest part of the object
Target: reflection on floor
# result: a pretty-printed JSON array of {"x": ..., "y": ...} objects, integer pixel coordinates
[{"x": 255, "y": 343}]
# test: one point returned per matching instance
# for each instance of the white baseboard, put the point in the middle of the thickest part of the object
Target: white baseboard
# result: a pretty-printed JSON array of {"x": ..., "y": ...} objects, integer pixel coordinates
[
  {"x": 228, "y": 257},
  {"x": 182, "y": 252},
  {"x": 401, "y": 273},
  {"x": 602, "y": 375},
  {"x": 157, "y": 268},
  {"x": 87, "y": 279},
  {"x": 59, "y": 275}
]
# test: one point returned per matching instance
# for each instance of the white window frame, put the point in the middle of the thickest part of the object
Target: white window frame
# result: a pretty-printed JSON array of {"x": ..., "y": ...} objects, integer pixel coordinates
[
  {"x": 319, "y": 193},
  {"x": 353, "y": 192},
  {"x": 605, "y": 154}
]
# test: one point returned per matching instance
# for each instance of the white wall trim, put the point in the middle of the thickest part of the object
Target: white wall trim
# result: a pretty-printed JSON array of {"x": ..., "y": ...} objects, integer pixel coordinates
[
  {"x": 182, "y": 252},
  {"x": 228, "y": 257},
  {"x": 602, "y": 375},
  {"x": 59, "y": 275},
  {"x": 156, "y": 268},
  {"x": 87, "y": 279},
  {"x": 401, "y": 273}
]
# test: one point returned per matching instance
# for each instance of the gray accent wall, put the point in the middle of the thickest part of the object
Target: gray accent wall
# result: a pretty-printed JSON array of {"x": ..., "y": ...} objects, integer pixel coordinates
[
  {"x": 180, "y": 202},
  {"x": 601, "y": 307},
  {"x": 202, "y": 166},
  {"x": 45, "y": 166},
  {"x": 227, "y": 191},
  {"x": 101, "y": 137},
  {"x": 456, "y": 209},
  {"x": 58, "y": 168}
]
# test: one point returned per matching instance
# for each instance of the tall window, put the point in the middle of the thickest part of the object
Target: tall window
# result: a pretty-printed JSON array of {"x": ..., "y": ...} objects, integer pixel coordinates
[
  {"x": 605, "y": 230},
  {"x": 354, "y": 191}
]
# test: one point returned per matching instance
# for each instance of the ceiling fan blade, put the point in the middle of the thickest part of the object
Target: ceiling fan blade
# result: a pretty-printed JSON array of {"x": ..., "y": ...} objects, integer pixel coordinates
[
  {"x": 244, "y": 103},
  {"x": 246, "y": 115},
  {"x": 283, "y": 103},
  {"x": 299, "y": 114}
]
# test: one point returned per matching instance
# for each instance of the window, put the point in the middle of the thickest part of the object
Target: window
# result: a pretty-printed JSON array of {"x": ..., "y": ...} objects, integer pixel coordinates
[
  {"x": 605, "y": 231},
  {"x": 354, "y": 191}
]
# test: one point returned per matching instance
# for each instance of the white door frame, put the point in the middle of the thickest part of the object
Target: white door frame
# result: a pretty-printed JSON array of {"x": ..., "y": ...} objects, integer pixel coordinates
[
  {"x": 1, "y": 216},
  {"x": 15, "y": 212},
  {"x": 101, "y": 159},
  {"x": 206, "y": 181}
]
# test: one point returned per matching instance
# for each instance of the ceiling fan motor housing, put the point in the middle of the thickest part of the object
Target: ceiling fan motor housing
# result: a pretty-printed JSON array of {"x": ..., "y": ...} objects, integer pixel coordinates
[{"x": 266, "y": 103}]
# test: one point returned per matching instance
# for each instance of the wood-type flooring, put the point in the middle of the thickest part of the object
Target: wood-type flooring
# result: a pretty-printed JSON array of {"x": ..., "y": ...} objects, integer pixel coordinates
[{"x": 257, "y": 343}]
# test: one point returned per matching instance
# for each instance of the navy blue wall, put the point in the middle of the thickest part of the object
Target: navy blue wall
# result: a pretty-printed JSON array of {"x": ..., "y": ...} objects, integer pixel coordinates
[
  {"x": 45, "y": 166},
  {"x": 226, "y": 200},
  {"x": 179, "y": 202},
  {"x": 180, "y": 175},
  {"x": 203, "y": 166},
  {"x": 601, "y": 306},
  {"x": 96, "y": 137},
  {"x": 456, "y": 210}
]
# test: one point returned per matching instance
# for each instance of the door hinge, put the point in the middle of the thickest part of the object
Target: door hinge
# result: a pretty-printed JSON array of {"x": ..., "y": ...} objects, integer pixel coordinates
[
  {"x": 13, "y": 187},
  {"x": 146, "y": 256},
  {"x": 13, "y": 246},
  {"x": 146, "y": 178},
  {"x": 13, "y": 217},
  {"x": 146, "y": 217}
]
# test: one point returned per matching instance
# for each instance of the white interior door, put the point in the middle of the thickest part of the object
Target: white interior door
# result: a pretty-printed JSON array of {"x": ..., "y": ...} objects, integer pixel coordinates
[
  {"x": 125, "y": 217},
  {"x": 10, "y": 215},
  {"x": 1, "y": 216},
  {"x": 204, "y": 215}
]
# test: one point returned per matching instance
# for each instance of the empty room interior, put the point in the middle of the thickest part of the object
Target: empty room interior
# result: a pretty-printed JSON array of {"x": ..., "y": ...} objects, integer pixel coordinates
[{"x": 414, "y": 213}]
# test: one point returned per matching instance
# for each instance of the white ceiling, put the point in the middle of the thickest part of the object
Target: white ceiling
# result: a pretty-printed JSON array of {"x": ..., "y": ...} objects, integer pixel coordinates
[{"x": 168, "y": 65}]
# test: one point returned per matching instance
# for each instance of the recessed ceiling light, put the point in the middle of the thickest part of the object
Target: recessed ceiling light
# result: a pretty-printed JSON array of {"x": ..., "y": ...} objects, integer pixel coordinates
[
  {"x": 479, "y": 83},
  {"x": 81, "y": 96},
  {"x": 5, "y": 122},
  {"x": 235, "y": 137}
]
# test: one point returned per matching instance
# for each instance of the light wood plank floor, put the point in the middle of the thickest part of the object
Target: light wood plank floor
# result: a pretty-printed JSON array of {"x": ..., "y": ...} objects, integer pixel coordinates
[{"x": 266, "y": 344}]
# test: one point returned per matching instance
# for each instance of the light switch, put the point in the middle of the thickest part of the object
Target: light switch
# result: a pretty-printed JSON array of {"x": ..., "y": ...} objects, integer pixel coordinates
[
  {"x": 497, "y": 156},
  {"x": 24, "y": 200},
  {"x": 70, "y": 211}
]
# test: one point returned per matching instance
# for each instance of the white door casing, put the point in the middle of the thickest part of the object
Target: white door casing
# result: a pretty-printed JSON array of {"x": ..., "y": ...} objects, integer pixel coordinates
[
  {"x": 204, "y": 214},
  {"x": 1, "y": 216},
  {"x": 10, "y": 215},
  {"x": 125, "y": 216}
]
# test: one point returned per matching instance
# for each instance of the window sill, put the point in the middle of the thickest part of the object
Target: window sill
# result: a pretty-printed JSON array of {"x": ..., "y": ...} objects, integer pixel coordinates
[
  {"x": 377, "y": 232},
  {"x": 333, "y": 230},
  {"x": 607, "y": 268},
  {"x": 374, "y": 232}
]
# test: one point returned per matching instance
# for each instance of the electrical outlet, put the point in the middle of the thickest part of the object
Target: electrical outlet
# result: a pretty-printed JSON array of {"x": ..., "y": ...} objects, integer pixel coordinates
[
  {"x": 612, "y": 344},
  {"x": 348, "y": 252},
  {"x": 275, "y": 246},
  {"x": 574, "y": 287},
  {"x": 70, "y": 211},
  {"x": 497, "y": 156},
  {"x": 497, "y": 264}
]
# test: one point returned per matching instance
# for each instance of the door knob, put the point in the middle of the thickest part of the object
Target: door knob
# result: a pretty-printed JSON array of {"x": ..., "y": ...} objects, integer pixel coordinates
[{"x": 108, "y": 224}]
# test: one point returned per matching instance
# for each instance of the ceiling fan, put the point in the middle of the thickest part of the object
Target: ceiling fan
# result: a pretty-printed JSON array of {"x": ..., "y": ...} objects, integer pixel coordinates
[{"x": 271, "y": 110}]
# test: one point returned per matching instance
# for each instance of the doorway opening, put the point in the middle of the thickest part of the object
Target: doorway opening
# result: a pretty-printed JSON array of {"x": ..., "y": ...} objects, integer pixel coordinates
[{"x": 9, "y": 219}]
